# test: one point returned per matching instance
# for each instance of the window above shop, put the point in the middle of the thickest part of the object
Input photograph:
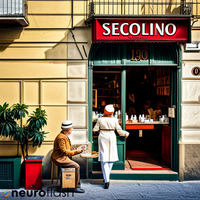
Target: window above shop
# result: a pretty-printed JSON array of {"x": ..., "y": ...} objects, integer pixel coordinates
[
  {"x": 142, "y": 8},
  {"x": 13, "y": 13}
]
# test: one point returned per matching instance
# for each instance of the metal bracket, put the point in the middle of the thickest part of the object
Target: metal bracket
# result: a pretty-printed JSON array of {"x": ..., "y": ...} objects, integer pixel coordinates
[{"x": 91, "y": 9}]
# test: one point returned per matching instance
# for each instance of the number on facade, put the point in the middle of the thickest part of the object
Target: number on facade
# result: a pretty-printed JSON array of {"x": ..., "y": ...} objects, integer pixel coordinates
[
  {"x": 139, "y": 54},
  {"x": 196, "y": 71}
]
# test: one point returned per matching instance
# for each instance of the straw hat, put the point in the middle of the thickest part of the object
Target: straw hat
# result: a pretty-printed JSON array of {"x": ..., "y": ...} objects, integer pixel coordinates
[{"x": 66, "y": 125}]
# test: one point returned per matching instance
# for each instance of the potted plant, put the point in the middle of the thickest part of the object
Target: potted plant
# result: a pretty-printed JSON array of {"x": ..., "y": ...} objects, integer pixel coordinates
[
  {"x": 30, "y": 132},
  {"x": 33, "y": 132}
]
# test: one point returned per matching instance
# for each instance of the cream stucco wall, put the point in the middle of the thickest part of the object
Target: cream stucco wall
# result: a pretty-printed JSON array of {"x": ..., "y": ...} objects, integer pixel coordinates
[
  {"x": 190, "y": 112},
  {"x": 41, "y": 66},
  {"x": 190, "y": 124}
]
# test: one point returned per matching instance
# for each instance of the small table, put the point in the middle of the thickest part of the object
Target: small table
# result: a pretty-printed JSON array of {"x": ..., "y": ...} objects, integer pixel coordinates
[{"x": 89, "y": 156}]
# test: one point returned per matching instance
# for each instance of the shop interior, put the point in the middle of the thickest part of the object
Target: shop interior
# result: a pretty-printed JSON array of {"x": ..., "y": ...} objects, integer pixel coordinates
[{"x": 147, "y": 102}]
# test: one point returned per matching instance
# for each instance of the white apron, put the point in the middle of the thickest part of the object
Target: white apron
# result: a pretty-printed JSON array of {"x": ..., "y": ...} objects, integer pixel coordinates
[{"x": 107, "y": 139}]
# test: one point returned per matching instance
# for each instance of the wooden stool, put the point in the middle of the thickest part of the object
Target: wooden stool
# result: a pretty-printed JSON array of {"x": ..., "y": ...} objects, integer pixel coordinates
[{"x": 52, "y": 172}]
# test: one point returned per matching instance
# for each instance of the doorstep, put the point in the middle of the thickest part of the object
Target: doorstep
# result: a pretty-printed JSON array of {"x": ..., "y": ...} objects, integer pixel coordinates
[{"x": 162, "y": 175}]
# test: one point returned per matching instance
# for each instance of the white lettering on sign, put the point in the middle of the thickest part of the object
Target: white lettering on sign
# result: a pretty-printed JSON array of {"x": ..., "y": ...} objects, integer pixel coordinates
[
  {"x": 151, "y": 28},
  {"x": 122, "y": 29},
  {"x": 114, "y": 28},
  {"x": 106, "y": 28},
  {"x": 173, "y": 29},
  {"x": 160, "y": 30},
  {"x": 135, "y": 29},
  {"x": 131, "y": 29},
  {"x": 143, "y": 29}
]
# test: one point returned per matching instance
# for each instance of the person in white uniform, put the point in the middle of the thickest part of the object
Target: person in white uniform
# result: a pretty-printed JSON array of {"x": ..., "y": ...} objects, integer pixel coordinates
[{"x": 107, "y": 144}]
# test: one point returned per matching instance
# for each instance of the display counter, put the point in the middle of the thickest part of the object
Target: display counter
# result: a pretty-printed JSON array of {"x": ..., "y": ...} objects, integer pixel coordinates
[{"x": 141, "y": 126}]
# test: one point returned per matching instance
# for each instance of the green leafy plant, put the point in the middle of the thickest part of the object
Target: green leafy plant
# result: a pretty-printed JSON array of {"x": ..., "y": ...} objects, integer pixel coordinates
[
  {"x": 31, "y": 131},
  {"x": 19, "y": 112},
  {"x": 35, "y": 123},
  {"x": 7, "y": 121},
  {"x": 37, "y": 119}
]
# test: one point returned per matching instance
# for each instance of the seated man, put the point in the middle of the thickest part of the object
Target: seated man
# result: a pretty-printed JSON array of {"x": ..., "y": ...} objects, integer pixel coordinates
[{"x": 62, "y": 151}]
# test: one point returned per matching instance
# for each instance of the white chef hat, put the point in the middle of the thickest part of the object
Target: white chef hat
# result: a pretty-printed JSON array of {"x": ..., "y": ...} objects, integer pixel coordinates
[
  {"x": 66, "y": 124},
  {"x": 109, "y": 109}
]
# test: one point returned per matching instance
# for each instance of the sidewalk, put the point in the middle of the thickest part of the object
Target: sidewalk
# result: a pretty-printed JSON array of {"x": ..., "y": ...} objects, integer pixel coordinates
[{"x": 119, "y": 189}]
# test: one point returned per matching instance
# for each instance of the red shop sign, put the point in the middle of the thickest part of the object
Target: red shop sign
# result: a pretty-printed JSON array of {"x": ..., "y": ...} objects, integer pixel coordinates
[{"x": 141, "y": 30}]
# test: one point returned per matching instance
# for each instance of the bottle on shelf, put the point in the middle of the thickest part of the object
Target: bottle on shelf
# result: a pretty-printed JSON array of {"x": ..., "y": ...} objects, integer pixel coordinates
[
  {"x": 119, "y": 115},
  {"x": 126, "y": 117},
  {"x": 94, "y": 115},
  {"x": 140, "y": 118},
  {"x": 134, "y": 119},
  {"x": 131, "y": 118},
  {"x": 118, "y": 112}
]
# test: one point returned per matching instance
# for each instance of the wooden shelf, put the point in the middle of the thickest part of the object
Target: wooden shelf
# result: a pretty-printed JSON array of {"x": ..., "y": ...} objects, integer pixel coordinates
[
  {"x": 161, "y": 85},
  {"x": 105, "y": 89},
  {"x": 108, "y": 97},
  {"x": 162, "y": 76}
]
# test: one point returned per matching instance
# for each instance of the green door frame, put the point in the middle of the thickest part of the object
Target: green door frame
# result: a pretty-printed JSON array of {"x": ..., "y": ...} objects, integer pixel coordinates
[
  {"x": 176, "y": 74},
  {"x": 123, "y": 97},
  {"x": 176, "y": 101}
]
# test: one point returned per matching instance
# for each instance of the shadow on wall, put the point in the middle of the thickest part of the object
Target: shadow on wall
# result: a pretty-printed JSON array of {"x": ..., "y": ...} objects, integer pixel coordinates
[
  {"x": 172, "y": 9},
  {"x": 64, "y": 50},
  {"x": 46, "y": 165},
  {"x": 192, "y": 162},
  {"x": 7, "y": 37},
  {"x": 175, "y": 11},
  {"x": 59, "y": 51}
]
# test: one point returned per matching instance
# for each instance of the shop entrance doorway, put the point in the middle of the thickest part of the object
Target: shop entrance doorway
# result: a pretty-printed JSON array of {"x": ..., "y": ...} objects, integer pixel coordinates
[
  {"x": 117, "y": 74},
  {"x": 148, "y": 99}
]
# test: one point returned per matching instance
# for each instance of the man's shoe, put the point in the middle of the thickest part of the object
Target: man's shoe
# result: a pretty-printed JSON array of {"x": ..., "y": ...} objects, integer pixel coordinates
[
  {"x": 78, "y": 190},
  {"x": 106, "y": 185}
]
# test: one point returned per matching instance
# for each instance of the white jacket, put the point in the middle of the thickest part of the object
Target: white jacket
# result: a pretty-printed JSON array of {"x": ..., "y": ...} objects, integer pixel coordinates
[{"x": 107, "y": 139}]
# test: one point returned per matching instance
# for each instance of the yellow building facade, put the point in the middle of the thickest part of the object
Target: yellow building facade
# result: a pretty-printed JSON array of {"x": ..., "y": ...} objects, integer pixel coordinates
[
  {"x": 41, "y": 67},
  {"x": 45, "y": 65}
]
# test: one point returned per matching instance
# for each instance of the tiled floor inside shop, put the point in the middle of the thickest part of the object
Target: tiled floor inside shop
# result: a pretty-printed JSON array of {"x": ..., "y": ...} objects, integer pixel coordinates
[{"x": 141, "y": 160}]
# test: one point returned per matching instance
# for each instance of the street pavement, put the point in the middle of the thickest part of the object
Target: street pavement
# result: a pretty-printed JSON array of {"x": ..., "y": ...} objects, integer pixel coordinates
[{"x": 119, "y": 189}]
